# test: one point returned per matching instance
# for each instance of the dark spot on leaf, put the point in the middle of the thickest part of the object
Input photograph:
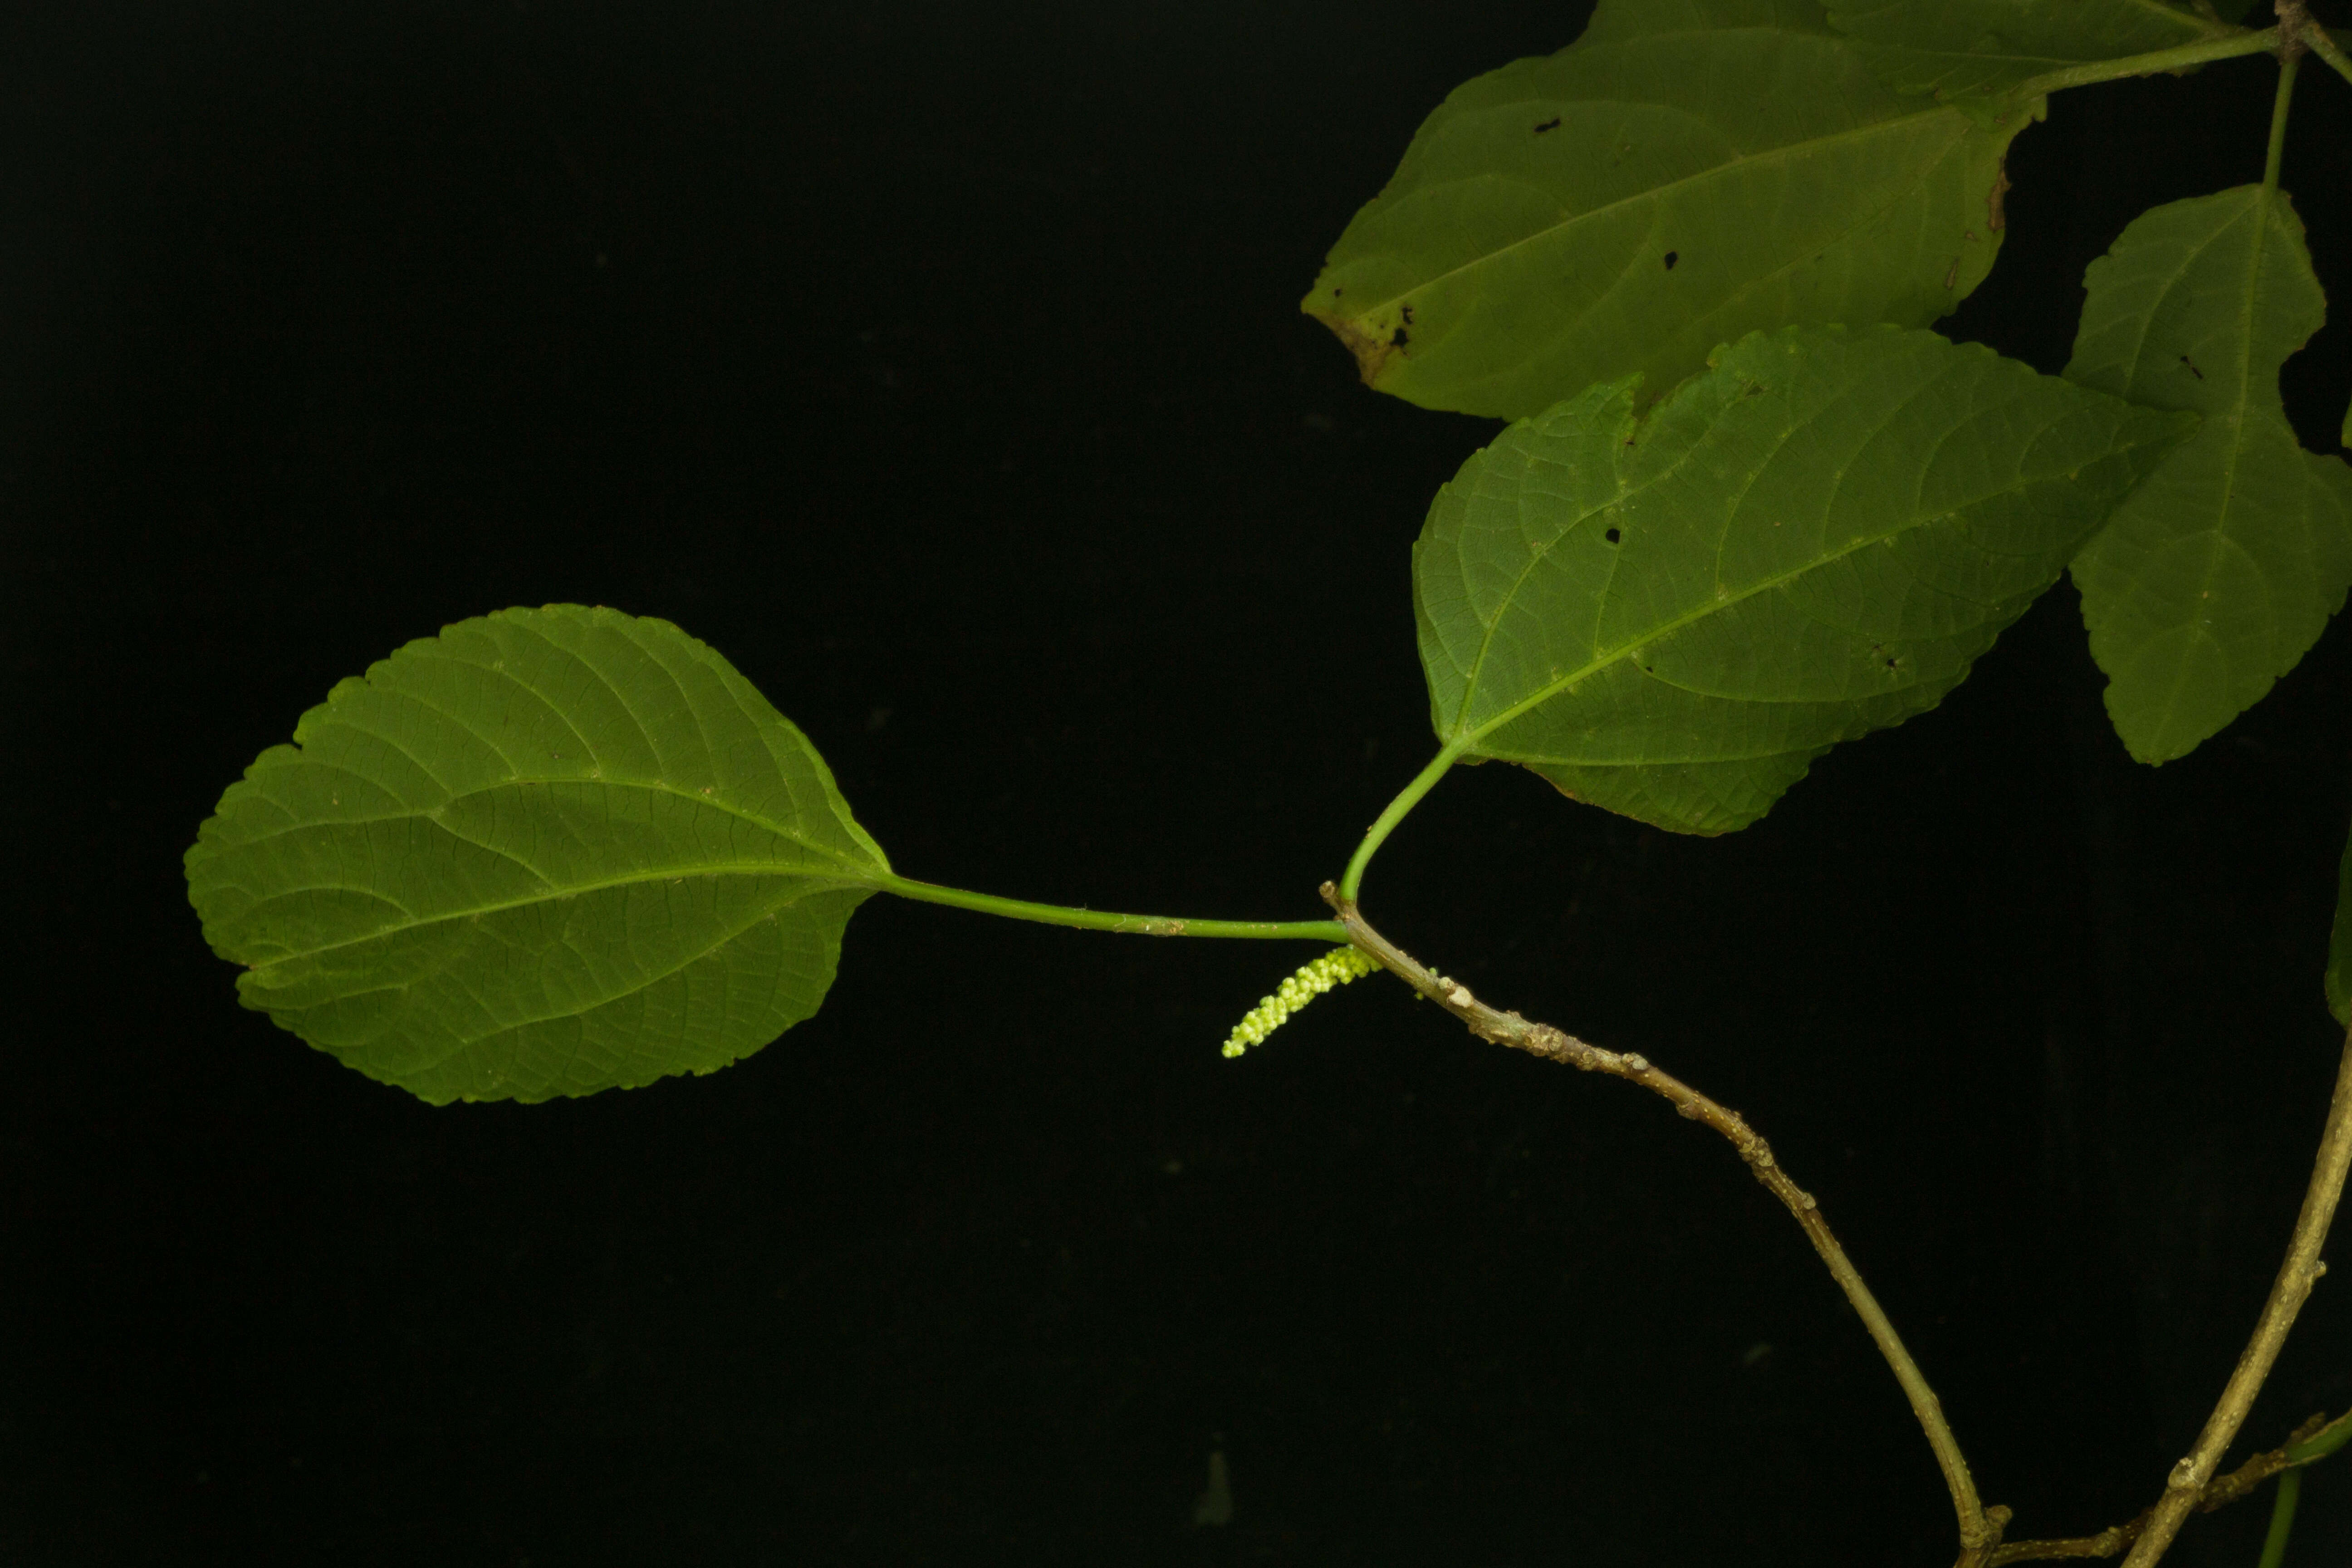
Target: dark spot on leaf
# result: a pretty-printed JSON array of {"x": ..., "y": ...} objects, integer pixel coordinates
[
  {"x": 1407, "y": 313},
  {"x": 1614, "y": 536},
  {"x": 1891, "y": 664},
  {"x": 1552, "y": 124},
  {"x": 1397, "y": 339},
  {"x": 1338, "y": 289},
  {"x": 1673, "y": 256},
  {"x": 2193, "y": 367}
]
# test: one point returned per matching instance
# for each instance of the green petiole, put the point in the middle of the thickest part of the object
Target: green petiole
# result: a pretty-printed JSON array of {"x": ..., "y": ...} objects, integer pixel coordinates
[
  {"x": 2278, "y": 119},
  {"x": 1108, "y": 919},
  {"x": 2290, "y": 1486},
  {"x": 2229, "y": 46},
  {"x": 1407, "y": 798}
]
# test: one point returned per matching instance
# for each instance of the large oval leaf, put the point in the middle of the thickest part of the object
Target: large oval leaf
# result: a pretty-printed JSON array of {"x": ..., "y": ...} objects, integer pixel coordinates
[
  {"x": 547, "y": 852},
  {"x": 2217, "y": 573},
  {"x": 1951, "y": 48},
  {"x": 1671, "y": 617},
  {"x": 1687, "y": 172}
]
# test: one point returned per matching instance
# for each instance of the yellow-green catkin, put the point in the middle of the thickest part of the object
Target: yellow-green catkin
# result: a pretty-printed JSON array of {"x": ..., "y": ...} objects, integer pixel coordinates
[{"x": 1336, "y": 967}]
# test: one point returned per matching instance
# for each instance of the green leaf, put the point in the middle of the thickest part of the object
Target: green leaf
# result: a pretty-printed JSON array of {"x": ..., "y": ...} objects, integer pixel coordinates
[
  {"x": 1954, "y": 47},
  {"x": 1687, "y": 172},
  {"x": 2339, "y": 945},
  {"x": 2216, "y": 574},
  {"x": 1671, "y": 617},
  {"x": 547, "y": 852}
]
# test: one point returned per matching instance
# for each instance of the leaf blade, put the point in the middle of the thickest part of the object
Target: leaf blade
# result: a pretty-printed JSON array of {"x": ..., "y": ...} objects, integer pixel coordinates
[
  {"x": 1954, "y": 48},
  {"x": 1613, "y": 209},
  {"x": 1672, "y": 616},
  {"x": 545, "y": 852},
  {"x": 2217, "y": 575}
]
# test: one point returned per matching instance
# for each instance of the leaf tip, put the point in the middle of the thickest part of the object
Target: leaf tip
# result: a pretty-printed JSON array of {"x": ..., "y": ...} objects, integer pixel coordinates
[{"x": 1371, "y": 349}]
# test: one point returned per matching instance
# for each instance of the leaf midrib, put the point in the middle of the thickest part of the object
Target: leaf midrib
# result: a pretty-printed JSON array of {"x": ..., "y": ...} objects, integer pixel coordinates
[
  {"x": 693, "y": 797},
  {"x": 1689, "y": 183},
  {"x": 856, "y": 873},
  {"x": 2258, "y": 210},
  {"x": 1465, "y": 739},
  {"x": 672, "y": 874}
]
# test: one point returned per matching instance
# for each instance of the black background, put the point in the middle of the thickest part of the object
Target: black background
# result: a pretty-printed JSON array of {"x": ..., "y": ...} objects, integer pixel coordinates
[{"x": 940, "y": 366}]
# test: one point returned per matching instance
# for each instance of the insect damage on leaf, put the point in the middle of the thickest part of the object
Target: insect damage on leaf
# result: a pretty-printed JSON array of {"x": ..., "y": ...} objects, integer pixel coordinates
[
  {"x": 1672, "y": 614},
  {"x": 1533, "y": 261}
]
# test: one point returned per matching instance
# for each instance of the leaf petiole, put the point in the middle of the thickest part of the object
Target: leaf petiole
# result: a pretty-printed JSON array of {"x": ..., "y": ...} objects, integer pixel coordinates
[
  {"x": 2287, "y": 62},
  {"x": 2325, "y": 48},
  {"x": 2290, "y": 1486},
  {"x": 1407, "y": 798},
  {"x": 1108, "y": 919},
  {"x": 2229, "y": 46}
]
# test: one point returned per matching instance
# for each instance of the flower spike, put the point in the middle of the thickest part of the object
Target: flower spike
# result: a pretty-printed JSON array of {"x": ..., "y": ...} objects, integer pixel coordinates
[{"x": 1336, "y": 967}]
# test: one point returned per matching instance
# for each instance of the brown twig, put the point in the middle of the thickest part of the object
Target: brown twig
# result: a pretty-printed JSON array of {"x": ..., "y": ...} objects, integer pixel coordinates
[
  {"x": 2296, "y": 1275},
  {"x": 1980, "y": 1527},
  {"x": 2222, "y": 1491},
  {"x": 2295, "y": 19}
]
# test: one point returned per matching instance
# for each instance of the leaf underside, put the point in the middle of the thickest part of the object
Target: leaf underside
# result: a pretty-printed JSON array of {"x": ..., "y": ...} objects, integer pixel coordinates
[
  {"x": 1954, "y": 48},
  {"x": 547, "y": 852},
  {"x": 1672, "y": 616},
  {"x": 2217, "y": 575},
  {"x": 1687, "y": 172}
]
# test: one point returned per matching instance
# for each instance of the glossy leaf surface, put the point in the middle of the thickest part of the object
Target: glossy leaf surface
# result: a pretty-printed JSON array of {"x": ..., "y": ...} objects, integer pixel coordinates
[
  {"x": 1952, "y": 47},
  {"x": 2216, "y": 575},
  {"x": 547, "y": 852},
  {"x": 1671, "y": 617},
  {"x": 1687, "y": 172}
]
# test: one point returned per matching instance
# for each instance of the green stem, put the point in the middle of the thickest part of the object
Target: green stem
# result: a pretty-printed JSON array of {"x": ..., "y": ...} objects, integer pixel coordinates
[
  {"x": 2282, "y": 1520},
  {"x": 2324, "y": 1441},
  {"x": 2325, "y": 48},
  {"x": 1407, "y": 798},
  {"x": 1106, "y": 920},
  {"x": 2229, "y": 46},
  {"x": 2287, "y": 63}
]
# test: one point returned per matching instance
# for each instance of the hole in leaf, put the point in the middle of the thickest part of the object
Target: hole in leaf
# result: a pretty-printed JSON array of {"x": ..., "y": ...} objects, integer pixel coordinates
[
  {"x": 1673, "y": 256},
  {"x": 1552, "y": 124},
  {"x": 1612, "y": 536}
]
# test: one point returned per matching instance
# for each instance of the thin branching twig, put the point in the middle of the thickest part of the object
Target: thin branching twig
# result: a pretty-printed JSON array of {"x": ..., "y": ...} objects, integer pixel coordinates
[{"x": 1980, "y": 1527}]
